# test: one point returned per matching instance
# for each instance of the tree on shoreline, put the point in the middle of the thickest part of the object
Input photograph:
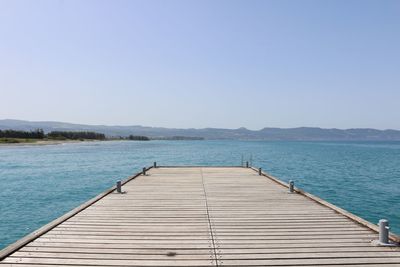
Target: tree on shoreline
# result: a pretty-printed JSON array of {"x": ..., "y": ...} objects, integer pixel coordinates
[
  {"x": 58, "y": 135},
  {"x": 76, "y": 135},
  {"x": 138, "y": 138},
  {"x": 36, "y": 134}
]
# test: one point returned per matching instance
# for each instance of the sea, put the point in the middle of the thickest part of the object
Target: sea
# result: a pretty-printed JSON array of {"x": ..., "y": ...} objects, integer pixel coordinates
[{"x": 41, "y": 183}]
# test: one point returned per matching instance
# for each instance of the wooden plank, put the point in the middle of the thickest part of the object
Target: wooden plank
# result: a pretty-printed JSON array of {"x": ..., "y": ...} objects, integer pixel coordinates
[
  {"x": 125, "y": 256},
  {"x": 310, "y": 261},
  {"x": 244, "y": 251},
  {"x": 79, "y": 265},
  {"x": 111, "y": 262},
  {"x": 239, "y": 245}
]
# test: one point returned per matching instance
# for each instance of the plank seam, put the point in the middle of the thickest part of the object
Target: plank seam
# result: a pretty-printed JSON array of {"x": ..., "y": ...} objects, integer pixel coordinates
[{"x": 209, "y": 219}]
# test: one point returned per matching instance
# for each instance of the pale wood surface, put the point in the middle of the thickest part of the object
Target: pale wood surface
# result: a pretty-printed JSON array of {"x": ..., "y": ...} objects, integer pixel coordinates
[{"x": 205, "y": 217}]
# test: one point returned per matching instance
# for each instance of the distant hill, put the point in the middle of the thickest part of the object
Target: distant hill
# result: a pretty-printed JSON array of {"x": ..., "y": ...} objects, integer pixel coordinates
[{"x": 301, "y": 133}]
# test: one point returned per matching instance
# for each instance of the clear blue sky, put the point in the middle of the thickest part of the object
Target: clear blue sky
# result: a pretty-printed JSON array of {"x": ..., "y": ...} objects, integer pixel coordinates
[{"x": 202, "y": 63}]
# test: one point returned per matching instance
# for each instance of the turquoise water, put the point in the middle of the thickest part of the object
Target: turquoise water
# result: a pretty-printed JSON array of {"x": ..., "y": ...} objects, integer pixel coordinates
[{"x": 40, "y": 183}]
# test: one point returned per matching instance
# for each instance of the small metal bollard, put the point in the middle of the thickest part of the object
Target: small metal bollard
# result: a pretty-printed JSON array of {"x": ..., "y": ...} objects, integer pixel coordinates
[
  {"x": 155, "y": 164},
  {"x": 119, "y": 187},
  {"x": 247, "y": 164},
  {"x": 291, "y": 186},
  {"x": 259, "y": 171},
  {"x": 144, "y": 171},
  {"x": 384, "y": 232}
]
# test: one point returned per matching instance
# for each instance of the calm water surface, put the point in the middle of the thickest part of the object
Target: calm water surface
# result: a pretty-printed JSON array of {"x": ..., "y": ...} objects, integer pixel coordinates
[{"x": 40, "y": 183}]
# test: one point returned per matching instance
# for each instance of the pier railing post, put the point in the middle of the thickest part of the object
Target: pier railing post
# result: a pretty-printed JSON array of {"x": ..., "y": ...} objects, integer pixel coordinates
[
  {"x": 383, "y": 232},
  {"x": 291, "y": 186},
  {"x": 144, "y": 171},
  {"x": 155, "y": 164},
  {"x": 247, "y": 164},
  {"x": 119, "y": 187},
  {"x": 259, "y": 171}
]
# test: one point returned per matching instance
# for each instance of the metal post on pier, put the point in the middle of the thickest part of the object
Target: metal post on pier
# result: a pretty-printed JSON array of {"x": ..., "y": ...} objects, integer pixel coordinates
[
  {"x": 119, "y": 187},
  {"x": 291, "y": 186},
  {"x": 384, "y": 232},
  {"x": 247, "y": 164},
  {"x": 144, "y": 171},
  {"x": 259, "y": 171},
  {"x": 155, "y": 164}
]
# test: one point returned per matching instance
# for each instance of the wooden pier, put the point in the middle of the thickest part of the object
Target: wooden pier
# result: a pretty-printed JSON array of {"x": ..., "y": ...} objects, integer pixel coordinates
[{"x": 203, "y": 216}]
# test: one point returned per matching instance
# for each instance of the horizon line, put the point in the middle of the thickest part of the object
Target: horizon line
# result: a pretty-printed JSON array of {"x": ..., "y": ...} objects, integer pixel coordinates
[{"x": 200, "y": 128}]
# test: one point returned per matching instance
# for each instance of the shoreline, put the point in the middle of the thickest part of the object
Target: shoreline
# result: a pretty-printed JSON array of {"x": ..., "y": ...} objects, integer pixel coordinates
[
  {"x": 47, "y": 142},
  {"x": 59, "y": 142}
]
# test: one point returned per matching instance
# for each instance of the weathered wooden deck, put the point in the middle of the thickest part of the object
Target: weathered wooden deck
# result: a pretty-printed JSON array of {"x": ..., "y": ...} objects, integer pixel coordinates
[{"x": 203, "y": 217}]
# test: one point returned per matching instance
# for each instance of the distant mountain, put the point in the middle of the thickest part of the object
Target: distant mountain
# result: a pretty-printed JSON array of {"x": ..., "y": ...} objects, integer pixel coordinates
[{"x": 301, "y": 133}]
